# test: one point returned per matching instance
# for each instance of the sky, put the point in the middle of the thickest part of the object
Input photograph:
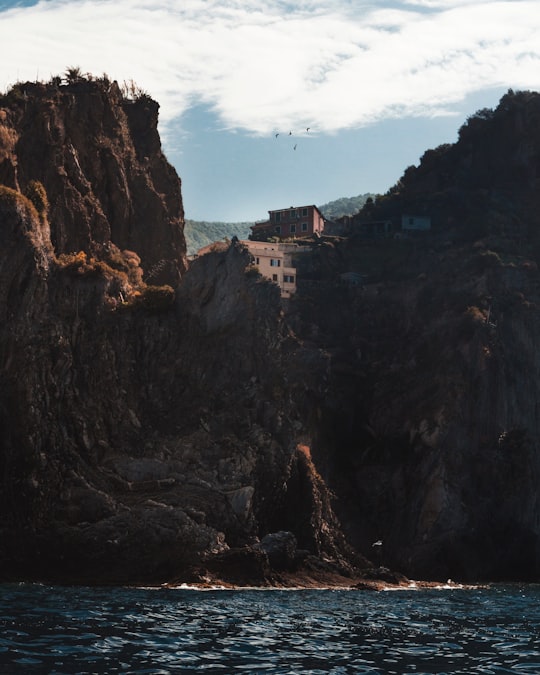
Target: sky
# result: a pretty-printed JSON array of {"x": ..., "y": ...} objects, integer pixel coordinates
[{"x": 266, "y": 104}]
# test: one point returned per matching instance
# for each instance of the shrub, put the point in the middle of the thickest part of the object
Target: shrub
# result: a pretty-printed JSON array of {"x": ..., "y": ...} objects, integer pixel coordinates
[
  {"x": 155, "y": 298},
  {"x": 37, "y": 194},
  {"x": 475, "y": 314},
  {"x": 131, "y": 258},
  {"x": 8, "y": 138},
  {"x": 484, "y": 261},
  {"x": 132, "y": 92},
  {"x": 252, "y": 271},
  {"x": 16, "y": 200},
  {"x": 74, "y": 263},
  {"x": 471, "y": 320},
  {"x": 117, "y": 261},
  {"x": 81, "y": 265},
  {"x": 73, "y": 74},
  {"x": 125, "y": 262}
]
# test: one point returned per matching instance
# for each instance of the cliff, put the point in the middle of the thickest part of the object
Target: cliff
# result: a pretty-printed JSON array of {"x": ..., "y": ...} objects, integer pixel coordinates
[
  {"x": 427, "y": 423},
  {"x": 161, "y": 423},
  {"x": 147, "y": 432},
  {"x": 98, "y": 154}
]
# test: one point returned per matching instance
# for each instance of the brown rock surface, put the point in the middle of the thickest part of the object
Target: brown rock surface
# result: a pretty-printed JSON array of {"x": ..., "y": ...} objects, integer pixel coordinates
[
  {"x": 145, "y": 432},
  {"x": 426, "y": 422},
  {"x": 160, "y": 433},
  {"x": 98, "y": 154}
]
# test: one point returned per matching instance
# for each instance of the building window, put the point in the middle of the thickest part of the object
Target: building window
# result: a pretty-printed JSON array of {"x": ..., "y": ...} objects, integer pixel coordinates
[
  {"x": 257, "y": 261},
  {"x": 293, "y": 213},
  {"x": 275, "y": 263},
  {"x": 288, "y": 278},
  {"x": 278, "y": 229},
  {"x": 277, "y": 217},
  {"x": 304, "y": 227},
  {"x": 293, "y": 227},
  {"x": 274, "y": 277},
  {"x": 304, "y": 212}
]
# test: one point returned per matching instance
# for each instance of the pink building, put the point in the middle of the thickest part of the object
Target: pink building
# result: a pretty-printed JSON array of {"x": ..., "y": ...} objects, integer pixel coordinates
[{"x": 294, "y": 222}]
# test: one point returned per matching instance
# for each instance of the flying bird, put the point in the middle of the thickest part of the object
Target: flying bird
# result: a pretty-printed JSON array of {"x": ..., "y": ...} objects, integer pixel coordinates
[
  {"x": 277, "y": 135},
  {"x": 294, "y": 147},
  {"x": 307, "y": 129}
]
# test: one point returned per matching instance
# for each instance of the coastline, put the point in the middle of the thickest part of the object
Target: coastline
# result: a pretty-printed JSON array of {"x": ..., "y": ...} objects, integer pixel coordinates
[{"x": 307, "y": 579}]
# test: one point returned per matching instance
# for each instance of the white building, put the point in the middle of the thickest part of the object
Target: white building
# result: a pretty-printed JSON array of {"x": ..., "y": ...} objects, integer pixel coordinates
[{"x": 274, "y": 261}]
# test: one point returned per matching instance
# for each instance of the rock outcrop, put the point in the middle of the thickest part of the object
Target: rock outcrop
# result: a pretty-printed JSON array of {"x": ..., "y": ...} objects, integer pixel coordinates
[
  {"x": 98, "y": 154},
  {"x": 147, "y": 432},
  {"x": 427, "y": 421}
]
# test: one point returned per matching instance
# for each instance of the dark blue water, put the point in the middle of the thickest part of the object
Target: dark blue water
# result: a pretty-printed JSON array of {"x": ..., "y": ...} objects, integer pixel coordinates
[{"x": 66, "y": 631}]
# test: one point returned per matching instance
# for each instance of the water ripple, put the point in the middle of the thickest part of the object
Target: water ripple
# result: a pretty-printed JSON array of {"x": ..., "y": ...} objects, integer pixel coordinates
[{"x": 67, "y": 631}]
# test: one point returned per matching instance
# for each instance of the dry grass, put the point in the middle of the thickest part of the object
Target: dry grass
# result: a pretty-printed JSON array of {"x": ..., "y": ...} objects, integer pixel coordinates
[
  {"x": 15, "y": 200},
  {"x": 82, "y": 265},
  {"x": 121, "y": 269},
  {"x": 154, "y": 298},
  {"x": 8, "y": 139}
]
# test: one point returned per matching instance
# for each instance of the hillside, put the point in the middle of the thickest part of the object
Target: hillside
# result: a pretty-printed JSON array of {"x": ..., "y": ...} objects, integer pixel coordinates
[
  {"x": 345, "y": 206},
  {"x": 485, "y": 184},
  {"x": 201, "y": 233},
  {"x": 427, "y": 423},
  {"x": 170, "y": 421}
]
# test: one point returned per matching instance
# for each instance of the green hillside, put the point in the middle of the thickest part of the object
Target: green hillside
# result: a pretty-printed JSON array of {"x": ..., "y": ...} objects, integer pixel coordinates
[
  {"x": 345, "y": 206},
  {"x": 200, "y": 233}
]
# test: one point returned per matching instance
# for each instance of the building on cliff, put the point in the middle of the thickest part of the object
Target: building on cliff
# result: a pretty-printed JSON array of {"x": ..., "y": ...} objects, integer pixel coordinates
[
  {"x": 420, "y": 223},
  {"x": 353, "y": 225},
  {"x": 294, "y": 222},
  {"x": 276, "y": 262},
  {"x": 357, "y": 225}
]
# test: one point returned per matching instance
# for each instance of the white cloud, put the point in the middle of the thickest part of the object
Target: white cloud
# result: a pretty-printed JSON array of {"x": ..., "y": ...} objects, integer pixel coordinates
[{"x": 271, "y": 64}]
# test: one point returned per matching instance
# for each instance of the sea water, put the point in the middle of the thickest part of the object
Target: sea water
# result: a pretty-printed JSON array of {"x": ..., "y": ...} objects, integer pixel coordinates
[{"x": 70, "y": 630}]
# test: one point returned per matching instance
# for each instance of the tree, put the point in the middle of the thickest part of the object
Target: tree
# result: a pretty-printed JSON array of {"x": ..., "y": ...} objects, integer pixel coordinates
[{"x": 73, "y": 74}]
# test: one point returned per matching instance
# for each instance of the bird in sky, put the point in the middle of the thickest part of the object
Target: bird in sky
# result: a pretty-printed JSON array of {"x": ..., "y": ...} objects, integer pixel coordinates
[{"x": 294, "y": 147}]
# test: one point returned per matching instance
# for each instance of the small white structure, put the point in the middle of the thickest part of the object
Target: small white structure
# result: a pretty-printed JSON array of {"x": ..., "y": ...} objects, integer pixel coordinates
[{"x": 422, "y": 223}]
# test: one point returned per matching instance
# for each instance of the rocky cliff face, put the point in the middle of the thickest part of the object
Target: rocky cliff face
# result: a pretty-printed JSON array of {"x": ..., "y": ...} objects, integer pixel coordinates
[
  {"x": 159, "y": 422},
  {"x": 99, "y": 157},
  {"x": 147, "y": 433},
  {"x": 427, "y": 424}
]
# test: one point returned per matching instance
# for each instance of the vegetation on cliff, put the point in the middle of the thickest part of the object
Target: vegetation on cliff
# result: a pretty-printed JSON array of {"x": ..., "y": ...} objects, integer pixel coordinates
[
  {"x": 345, "y": 206},
  {"x": 93, "y": 146}
]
